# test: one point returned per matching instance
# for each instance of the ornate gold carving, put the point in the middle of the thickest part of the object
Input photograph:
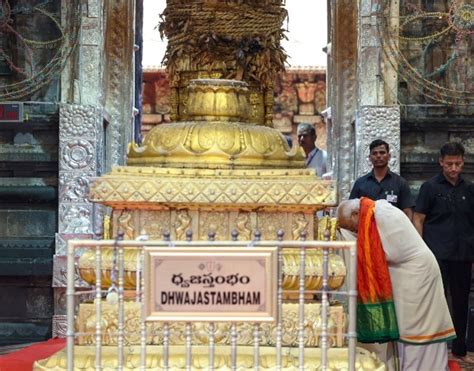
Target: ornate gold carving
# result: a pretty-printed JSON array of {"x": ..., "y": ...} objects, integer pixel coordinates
[
  {"x": 215, "y": 222},
  {"x": 300, "y": 225},
  {"x": 215, "y": 99},
  {"x": 182, "y": 224},
  {"x": 243, "y": 226},
  {"x": 293, "y": 190},
  {"x": 125, "y": 225},
  {"x": 218, "y": 135},
  {"x": 200, "y": 331},
  {"x": 218, "y": 145},
  {"x": 291, "y": 265},
  {"x": 85, "y": 359},
  {"x": 327, "y": 224},
  {"x": 88, "y": 273},
  {"x": 268, "y": 223},
  {"x": 107, "y": 227},
  {"x": 154, "y": 222},
  {"x": 313, "y": 270}
]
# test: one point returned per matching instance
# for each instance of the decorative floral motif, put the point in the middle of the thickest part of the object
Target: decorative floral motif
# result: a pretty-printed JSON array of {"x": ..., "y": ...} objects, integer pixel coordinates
[
  {"x": 78, "y": 121},
  {"x": 78, "y": 154}
]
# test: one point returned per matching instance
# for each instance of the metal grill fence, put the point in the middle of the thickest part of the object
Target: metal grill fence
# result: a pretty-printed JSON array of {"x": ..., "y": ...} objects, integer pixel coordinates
[{"x": 302, "y": 247}]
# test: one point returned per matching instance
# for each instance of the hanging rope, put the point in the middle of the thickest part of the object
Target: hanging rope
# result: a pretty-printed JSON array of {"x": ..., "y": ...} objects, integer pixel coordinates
[
  {"x": 400, "y": 49},
  {"x": 38, "y": 75}
]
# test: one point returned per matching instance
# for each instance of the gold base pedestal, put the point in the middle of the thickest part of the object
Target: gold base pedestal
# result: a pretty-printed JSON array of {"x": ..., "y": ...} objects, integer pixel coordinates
[{"x": 84, "y": 359}]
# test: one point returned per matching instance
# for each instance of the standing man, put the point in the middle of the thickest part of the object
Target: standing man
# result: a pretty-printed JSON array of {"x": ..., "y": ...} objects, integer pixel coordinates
[
  {"x": 444, "y": 217},
  {"x": 383, "y": 184},
  {"x": 315, "y": 158}
]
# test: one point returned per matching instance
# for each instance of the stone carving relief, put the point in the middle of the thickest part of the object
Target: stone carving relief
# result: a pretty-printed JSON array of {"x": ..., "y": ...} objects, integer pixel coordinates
[
  {"x": 62, "y": 239},
  {"x": 99, "y": 213},
  {"x": 75, "y": 219},
  {"x": 77, "y": 154},
  {"x": 119, "y": 70},
  {"x": 91, "y": 54},
  {"x": 59, "y": 325},
  {"x": 78, "y": 121},
  {"x": 74, "y": 187},
  {"x": 377, "y": 122},
  {"x": 60, "y": 301},
  {"x": 60, "y": 272}
]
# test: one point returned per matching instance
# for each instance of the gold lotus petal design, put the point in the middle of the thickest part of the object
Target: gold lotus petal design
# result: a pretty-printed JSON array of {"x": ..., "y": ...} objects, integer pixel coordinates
[
  {"x": 202, "y": 144},
  {"x": 216, "y": 135}
]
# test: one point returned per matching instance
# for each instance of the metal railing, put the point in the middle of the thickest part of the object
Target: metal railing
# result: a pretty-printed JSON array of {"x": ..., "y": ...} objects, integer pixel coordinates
[{"x": 301, "y": 246}]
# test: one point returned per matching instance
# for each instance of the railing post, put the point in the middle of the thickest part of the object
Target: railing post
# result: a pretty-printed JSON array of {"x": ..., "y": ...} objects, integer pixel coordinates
[
  {"x": 279, "y": 329},
  {"x": 70, "y": 303},
  {"x": 301, "y": 301}
]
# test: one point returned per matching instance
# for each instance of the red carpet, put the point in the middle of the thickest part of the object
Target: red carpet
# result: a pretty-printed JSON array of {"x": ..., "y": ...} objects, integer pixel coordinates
[
  {"x": 454, "y": 366},
  {"x": 23, "y": 359}
]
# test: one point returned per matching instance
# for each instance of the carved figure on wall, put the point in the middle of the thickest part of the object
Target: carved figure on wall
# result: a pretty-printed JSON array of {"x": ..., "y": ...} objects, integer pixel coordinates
[
  {"x": 126, "y": 226},
  {"x": 76, "y": 220},
  {"x": 183, "y": 223},
  {"x": 75, "y": 189},
  {"x": 306, "y": 91},
  {"x": 242, "y": 226},
  {"x": 299, "y": 225}
]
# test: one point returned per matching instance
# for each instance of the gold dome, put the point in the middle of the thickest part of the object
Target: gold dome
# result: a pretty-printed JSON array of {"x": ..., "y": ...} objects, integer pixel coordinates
[{"x": 217, "y": 134}]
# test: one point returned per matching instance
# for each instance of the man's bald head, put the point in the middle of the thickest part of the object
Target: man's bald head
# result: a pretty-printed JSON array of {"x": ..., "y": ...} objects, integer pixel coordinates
[{"x": 348, "y": 214}]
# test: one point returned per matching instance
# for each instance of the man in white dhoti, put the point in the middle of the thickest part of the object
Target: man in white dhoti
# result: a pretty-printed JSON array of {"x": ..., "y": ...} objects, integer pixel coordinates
[{"x": 422, "y": 313}]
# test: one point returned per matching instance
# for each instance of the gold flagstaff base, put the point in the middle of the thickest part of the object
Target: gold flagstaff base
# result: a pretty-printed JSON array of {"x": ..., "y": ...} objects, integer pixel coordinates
[{"x": 84, "y": 359}]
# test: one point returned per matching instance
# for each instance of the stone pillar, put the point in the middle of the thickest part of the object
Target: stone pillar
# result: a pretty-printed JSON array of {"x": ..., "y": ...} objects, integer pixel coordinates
[
  {"x": 97, "y": 95},
  {"x": 119, "y": 79},
  {"x": 342, "y": 89},
  {"x": 375, "y": 118},
  {"x": 80, "y": 143}
]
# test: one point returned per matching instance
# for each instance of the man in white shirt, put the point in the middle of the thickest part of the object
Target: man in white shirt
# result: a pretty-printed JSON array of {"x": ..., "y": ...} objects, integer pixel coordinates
[{"x": 315, "y": 157}]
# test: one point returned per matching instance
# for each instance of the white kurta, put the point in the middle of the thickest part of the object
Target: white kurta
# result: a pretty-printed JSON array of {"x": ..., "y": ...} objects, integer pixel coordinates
[
  {"x": 420, "y": 304},
  {"x": 422, "y": 312}
]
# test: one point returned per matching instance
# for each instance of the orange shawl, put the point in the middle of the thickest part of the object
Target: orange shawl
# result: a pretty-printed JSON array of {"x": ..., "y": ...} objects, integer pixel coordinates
[{"x": 376, "y": 319}]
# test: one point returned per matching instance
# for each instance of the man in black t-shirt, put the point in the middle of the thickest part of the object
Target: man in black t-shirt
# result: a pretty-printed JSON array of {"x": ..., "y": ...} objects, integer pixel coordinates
[
  {"x": 383, "y": 184},
  {"x": 444, "y": 217}
]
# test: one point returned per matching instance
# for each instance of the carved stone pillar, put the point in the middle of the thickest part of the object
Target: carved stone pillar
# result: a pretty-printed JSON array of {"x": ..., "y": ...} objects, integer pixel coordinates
[
  {"x": 374, "y": 122},
  {"x": 80, "y": 144},
  {"x": 376, "y": 89},
  {"x": 342, "y": 88},
  {"x": 119, "y": 79},
  {"x": 100, "y": 83}
]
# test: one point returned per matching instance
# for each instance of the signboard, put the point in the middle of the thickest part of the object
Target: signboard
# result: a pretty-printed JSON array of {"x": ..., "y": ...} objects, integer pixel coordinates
[
  {"x": 11, "y": 112},
  {"x": 211, "y": 284}
]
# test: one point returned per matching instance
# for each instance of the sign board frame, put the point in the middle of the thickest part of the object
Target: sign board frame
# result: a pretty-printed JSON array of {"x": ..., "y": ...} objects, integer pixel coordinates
[
  {"x": 16, "y": 107},
  {"x": 244, "y": 280}
]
